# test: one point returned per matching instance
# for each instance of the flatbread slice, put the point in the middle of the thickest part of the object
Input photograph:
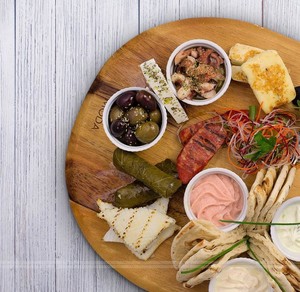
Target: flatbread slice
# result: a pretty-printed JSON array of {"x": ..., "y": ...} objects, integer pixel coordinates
[
  {"x": 141, "y": 229},
  {"x": 252, "y": 196},
  {"x": 192, "y": 233},
  {"x": 216, "y": 267},
  {"x": 225, "y": 238},
  {"x": 262, "y": 192},
  {"x": 282, "y": 195},
  {"x": 197, "y": 259},
  {"x": 273, "y": 196}
]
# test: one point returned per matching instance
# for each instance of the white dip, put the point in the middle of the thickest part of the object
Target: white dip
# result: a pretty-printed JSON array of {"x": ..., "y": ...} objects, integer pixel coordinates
[
  {"x": 289, "y": 236},
  {"x": 241, "y": 277}
]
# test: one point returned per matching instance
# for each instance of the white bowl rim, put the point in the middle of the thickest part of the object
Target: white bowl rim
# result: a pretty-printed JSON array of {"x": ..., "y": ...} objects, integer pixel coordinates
[
  {"x": 218, "y": 170},
  {"x": 115, "y": 141},
  {"x": 231, "y": 262},
  {"x": 288, "y": 253},
  {"x": 218, "y": 49}
]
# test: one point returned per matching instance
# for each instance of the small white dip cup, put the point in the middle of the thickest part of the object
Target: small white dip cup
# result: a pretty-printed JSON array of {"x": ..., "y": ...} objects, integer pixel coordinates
[
  {"x": 239, "y": 261},
  {"x": 223, "y": 171},
  {"x": 274, "y": 230},
  {"x": 206, "y": 44},
  {"x": 118, "y": 143}
]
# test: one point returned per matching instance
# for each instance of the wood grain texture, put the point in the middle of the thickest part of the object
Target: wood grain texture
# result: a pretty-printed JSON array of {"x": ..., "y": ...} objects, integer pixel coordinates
[
  {"x": 88, "y": 167},
  {"x": 7, "y": 131},
  {"x": 35, "y": 146},
  {"x": 282, "y": 16},
  {"x": 75, "y": 52}
]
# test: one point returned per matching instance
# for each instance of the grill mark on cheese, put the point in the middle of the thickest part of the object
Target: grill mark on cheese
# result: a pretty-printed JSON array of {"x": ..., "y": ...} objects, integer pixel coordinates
[
  {"x": 130, "y": 221},
  {"x": 138, "y": 242},
  {"x": 116, "y": 216}
]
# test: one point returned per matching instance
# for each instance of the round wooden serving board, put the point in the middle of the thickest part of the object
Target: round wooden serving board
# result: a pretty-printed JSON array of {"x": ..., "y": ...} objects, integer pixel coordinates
[{"x": 89, "y": 171}]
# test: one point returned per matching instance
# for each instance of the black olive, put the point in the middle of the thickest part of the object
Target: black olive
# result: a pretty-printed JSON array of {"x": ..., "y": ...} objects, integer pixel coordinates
[
  {"x": 146, "y": 100},
  {"x": 126, "y": 100},
  {"x": 129, "y": 138},
  {"x": 296, "y": 100},
  {"x": 118, "y": 127}
]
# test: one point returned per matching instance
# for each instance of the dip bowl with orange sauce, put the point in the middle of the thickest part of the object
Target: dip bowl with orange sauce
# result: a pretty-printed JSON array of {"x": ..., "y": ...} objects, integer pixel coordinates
[{"x": 216, "y": 194}]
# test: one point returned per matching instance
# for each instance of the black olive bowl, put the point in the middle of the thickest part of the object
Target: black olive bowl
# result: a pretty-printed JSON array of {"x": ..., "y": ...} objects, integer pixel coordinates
[{"x": 122, "y": 133}]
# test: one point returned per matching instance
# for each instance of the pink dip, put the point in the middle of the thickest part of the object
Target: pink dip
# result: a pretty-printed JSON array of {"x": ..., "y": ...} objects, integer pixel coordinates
[{"x": 216, "y": 197}]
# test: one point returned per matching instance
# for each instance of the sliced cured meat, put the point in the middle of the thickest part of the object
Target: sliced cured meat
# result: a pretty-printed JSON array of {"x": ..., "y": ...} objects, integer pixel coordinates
[
  {"x": 199, "y": 149},
  {"x": 186, "y": 134}
]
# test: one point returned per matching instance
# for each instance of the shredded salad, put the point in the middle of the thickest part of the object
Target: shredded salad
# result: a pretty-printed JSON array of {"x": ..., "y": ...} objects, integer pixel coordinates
[{"x": 257, "y": 142}]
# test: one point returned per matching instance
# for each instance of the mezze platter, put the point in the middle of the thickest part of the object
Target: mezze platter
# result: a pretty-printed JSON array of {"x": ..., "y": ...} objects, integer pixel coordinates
[{"x": 89, "y": 171}]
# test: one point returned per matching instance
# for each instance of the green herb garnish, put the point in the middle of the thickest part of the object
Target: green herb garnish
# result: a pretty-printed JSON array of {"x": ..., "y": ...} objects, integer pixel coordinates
[
  {"x": 259, "y": 223},
  {"x": 212, "y": 259},
  {"x": 252, "y": 112},
  {"x": 265, "y": 269},
  {"x": 264, "y": 146}
]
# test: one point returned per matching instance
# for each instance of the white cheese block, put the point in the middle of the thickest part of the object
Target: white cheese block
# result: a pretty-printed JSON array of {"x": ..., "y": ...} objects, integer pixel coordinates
[
  {"x": 238, "y": 74},
  {"x": 269, "y": 79},
  {"x": 141, "y": 229},
  {"x": 161, "y": 205},
  {"x": 157, "y": 81},
  {"x": 239, "y": 53}
]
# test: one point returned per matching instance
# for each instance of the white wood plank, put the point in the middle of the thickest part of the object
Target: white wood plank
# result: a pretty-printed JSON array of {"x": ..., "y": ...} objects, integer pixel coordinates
[
  {"x": 75, "y": 71},
  {"x": 116, "y": 23},
  {"x": 7, "y": 128},
  {"x": 282, "y": 16},
  {"x": 153, "y": 13},
  {"x": 199, "y": 8},
  {"x": 246, "y": 10},
  {"x": 35, "y": 146}
]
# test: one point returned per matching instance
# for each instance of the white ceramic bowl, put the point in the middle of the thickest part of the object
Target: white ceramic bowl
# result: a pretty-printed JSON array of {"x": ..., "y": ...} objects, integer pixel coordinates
[
  {"x": 206, "y": 44},
  {"x": 118, "y": 143},
  {"x": 209, "y": 171},
  {"x": 245, "y": 261},
  {"x": 274, "y": 234}
]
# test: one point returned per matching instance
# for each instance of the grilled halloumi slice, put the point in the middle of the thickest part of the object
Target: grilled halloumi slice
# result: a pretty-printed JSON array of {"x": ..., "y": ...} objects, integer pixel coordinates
[
  {"x": 238, "y": 75},
  {"x": 269, "y": 79},
  {"x": 161, "y": 205},
  {"x": 239, "y": 53},
  {"x": 141, "y": 229}
]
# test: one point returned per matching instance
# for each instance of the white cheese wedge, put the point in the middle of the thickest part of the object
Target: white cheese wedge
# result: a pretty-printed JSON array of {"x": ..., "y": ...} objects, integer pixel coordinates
[
  {"x": 238, "y": 74},
  {"x": 161, "y": 205},
  {"x": 157, "y": 81},
  {"x": 141, "y": 229},
  {"x": 269, "y": 79},
  {"x": 239, "y": 53}
]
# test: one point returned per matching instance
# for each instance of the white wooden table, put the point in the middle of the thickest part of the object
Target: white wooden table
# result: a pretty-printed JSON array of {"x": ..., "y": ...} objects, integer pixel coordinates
[{"x": 50, "y": 52}]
